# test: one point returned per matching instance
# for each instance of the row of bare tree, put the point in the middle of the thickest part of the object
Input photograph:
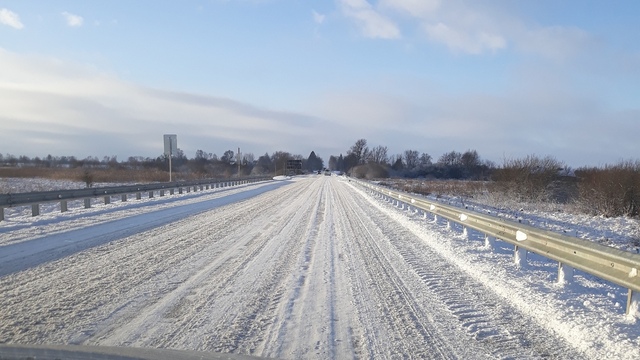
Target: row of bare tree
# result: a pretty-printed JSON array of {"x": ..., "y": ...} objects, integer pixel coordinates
[
  {"x": 610, "y": 190},
  {"x": 365, "y": 162}
]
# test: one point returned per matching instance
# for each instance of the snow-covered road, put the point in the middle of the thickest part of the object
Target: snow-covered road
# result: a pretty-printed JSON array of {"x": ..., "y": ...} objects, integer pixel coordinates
[{"x": 308, "y": 268}]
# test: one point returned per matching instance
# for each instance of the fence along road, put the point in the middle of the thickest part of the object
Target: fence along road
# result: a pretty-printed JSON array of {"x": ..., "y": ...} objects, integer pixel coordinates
[
  {"x": 618, "y": 266},
  {"x": 36, "y": 198}
]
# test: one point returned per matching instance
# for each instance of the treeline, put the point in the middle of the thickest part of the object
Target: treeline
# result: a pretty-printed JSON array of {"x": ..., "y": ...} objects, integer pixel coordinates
[
  {"x": 372, "y": 163},
  {"x": 203, "y": 164},
  {"x": 610, "y": 190}
]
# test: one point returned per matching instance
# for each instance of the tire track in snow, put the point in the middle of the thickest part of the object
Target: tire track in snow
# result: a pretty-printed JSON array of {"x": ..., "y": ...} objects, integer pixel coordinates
[
  {"x": 290, "y": 273},
  {"x": 408, "y": 326},
  {"x": 87, "y": 292},
  {"x": 487, "y": 318},
  {"x": 317, "y": 315}
]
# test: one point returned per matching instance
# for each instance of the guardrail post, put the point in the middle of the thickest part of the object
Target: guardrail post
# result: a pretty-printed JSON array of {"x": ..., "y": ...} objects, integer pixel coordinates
[
  {"x": 150, "y": 194},
  {"x": 107, "y": 200},
  {"x": 465, "y": 233},
  {"x": 123, "y": 197},
  {"x": 35, "y": 209},
  {"x": 63, "y": 206},
  {"x": 1, "y": 214},
  {"x": 520, "y": 256},
  {"x": 138, "y": 196},
  {"x": 87, "y": 203},
  {"x": 201, "y": 188},
  {"x": 565, "y": 273},
  {"x": 633, "y": 303},
  {"x": 180, "y": 190},
  {"x": 489, "y": 242}
]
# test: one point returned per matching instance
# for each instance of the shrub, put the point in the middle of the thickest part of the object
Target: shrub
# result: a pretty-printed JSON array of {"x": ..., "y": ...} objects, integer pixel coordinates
[
  {"x": 610, "y": 191},
  {"x": 528, "y": 179},
  {"x": 370, "y": 171}
]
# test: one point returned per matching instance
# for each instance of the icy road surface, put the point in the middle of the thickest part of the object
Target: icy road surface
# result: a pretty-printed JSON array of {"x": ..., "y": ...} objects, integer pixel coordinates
[{"x": 309, "y": 268}]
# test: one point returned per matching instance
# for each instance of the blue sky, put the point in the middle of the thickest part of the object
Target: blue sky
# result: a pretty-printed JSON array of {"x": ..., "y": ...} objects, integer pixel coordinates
[{"x": 506, "y": 78}]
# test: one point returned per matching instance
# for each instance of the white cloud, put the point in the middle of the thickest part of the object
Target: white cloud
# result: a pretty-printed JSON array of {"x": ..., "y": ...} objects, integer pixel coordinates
[
  {"x": 50, "y": 106},
  {"x": 9, "y": 18},
  {"x": 472, "y": 42},
  {"x": 467, "y": 27},
  {"x": 73, "y": 20},
  {"x": 416, "y": 8},
  {"x": 372, "y": 24},
  {"x": 317, "y": 17}
]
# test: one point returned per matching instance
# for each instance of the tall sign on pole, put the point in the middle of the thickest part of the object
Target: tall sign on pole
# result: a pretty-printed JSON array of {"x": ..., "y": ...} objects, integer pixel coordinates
[{"x": 170, "y": 148}]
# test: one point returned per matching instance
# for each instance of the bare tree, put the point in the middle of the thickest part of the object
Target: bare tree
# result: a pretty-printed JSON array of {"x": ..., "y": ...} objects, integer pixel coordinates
[
  {"x": 425, "y": 160},
  {"x": 529, "y": 178},
  {"x": 378, "y": 155},
  {"x": 452, "y": 158},
  {"x": 279, "y": 159},
  {"x": 228, "y": 156},
  {"x": 359, "y": 151},
  {"x": 248, "y": 158},
  {"x": 470, "y": 159},
  {"x": 411, "y": 159}
]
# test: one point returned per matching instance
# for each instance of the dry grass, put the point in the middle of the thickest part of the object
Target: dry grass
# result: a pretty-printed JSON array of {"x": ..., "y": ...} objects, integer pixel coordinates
[
  {"x": 140, "y": 176},
  {"x": 611, "y": 191},
  {"x": 462, "y": 188}
]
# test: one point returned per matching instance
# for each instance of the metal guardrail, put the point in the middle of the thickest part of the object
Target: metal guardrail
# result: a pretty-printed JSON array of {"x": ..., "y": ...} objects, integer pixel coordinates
[
  {"x": 36, "y": 198},
  {"x": 614, "y": 265}
]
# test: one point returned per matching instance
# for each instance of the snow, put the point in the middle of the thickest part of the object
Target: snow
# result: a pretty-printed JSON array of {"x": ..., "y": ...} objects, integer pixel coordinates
[
  {"x": 303, "y": 267},
  {"x": 620, "y": 232}
]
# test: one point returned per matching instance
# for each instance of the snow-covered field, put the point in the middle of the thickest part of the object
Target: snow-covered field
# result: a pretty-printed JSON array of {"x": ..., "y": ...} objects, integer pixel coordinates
[{"x": 311, "y": 267}]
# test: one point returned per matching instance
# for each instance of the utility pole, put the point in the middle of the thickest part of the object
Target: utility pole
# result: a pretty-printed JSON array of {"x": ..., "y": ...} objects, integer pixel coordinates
[
  {"x": 239, "y": 162},
  {"x": 170, "y": 156}
]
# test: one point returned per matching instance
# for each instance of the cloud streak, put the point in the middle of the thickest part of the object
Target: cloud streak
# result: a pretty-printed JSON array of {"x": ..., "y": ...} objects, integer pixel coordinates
[
  {"x": 466, "y": 28},
  {"x": 464, "y": 41},
  {"x": 9, "y": 18},
  {"x": 371, "y": 23},
  {"x": 317, "y": 17},
  {"x": 53, "y": 107},
  {"x": 73, "y": 20}
]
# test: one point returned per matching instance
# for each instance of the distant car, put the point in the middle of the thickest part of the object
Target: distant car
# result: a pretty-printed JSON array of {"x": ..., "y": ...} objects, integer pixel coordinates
[{"x": 327, "y": 173}]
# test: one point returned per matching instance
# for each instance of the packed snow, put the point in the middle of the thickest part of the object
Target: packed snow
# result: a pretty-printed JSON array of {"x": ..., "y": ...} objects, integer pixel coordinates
[{"x": 306, "y": 267}]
